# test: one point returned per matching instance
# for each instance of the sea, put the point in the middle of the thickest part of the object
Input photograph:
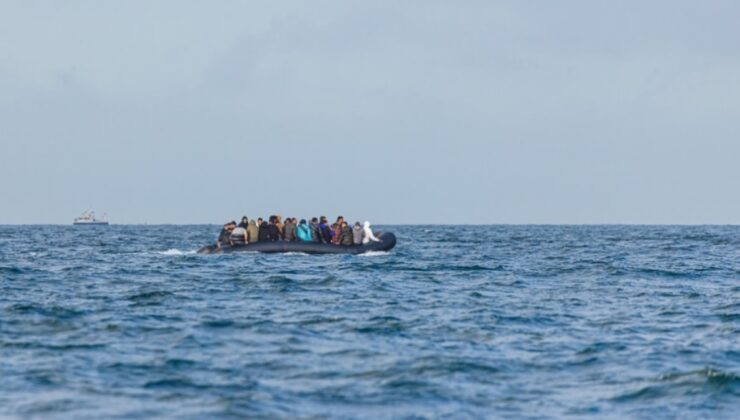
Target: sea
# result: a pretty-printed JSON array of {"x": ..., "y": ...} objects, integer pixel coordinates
[{"x": 462, "y": 322}]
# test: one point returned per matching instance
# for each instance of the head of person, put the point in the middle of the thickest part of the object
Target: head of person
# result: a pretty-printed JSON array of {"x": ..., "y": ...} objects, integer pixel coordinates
[
  {"x": 367, "y": 224},
  {"x": 252, "y": 223},
  {"x": 314, "y": 220},
  {"x": 303, "y": 221},
  {"x": 323, "y": 219},
  {"x": 357, "y": 224},
  {"x": 340, "y": 219},
  {"x": 245, "y": 219},
  {"x": 259, "y": 221}
]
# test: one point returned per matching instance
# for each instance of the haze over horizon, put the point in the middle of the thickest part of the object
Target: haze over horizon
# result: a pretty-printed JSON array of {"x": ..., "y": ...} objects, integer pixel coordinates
[{"x": 511, "y": 112}]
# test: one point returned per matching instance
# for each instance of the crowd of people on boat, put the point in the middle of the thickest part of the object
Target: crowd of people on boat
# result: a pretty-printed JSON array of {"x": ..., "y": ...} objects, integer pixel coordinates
[{"x": 275, "y": 229}]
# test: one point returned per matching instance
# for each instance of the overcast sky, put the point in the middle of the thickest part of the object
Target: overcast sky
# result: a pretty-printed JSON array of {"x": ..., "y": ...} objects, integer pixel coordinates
[{"x": 393, "y": 111}]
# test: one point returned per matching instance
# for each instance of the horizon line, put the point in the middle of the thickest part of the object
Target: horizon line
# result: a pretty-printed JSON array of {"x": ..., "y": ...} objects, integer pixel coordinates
[{"x": 405, "y": 224}]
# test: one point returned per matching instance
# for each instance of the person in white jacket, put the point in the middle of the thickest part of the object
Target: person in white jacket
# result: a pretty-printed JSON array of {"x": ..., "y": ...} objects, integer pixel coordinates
[{"x": 368, "y": 235}]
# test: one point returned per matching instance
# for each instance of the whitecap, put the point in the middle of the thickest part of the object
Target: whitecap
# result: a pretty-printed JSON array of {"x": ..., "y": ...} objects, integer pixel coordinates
[
  {"x": 173, "y": 251},
  {"x": 373, "y": 254}
]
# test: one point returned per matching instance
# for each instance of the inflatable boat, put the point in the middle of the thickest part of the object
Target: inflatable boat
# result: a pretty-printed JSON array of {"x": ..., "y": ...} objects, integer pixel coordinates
[{"x": 388, "y": 241}]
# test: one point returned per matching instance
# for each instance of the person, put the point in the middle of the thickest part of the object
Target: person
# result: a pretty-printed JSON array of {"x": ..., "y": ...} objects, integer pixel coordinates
[
  {"x": 264, "y": 232},
  {"x": 336, "y": 231},
  {"x": 315, "y": 231},
  {"x": 225, "y": 234},
  {"x": 289, "y": 230},
  {"x": 280, "y": 225},
  {"x": 238, "y": 236},
  {"x": 244, "y": 223},
  {"x": 340, "y": 219},
  {"x": 259, "y": 221},
  {"x": 325, "y": 230},
  {"x": 368, "y": 235},
  {"x": 272, "y": 230},
  {"x": 345, "y": 237},
  {"x": 303, "y": 232},
  {"x": 357, "y": 233},
  {"x": 253, "y": 232}
]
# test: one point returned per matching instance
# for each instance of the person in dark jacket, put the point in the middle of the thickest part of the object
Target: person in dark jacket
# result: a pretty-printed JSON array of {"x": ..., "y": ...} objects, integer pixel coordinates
[
  {"x": 244, "y": 223},
  {"x": 315, "y": 231},
  {"x": 345, "y": 236},
  {"x": 325, "y": 230},
  {"x": 264, "y": 232},
  {"x": 273, "y": 230}
]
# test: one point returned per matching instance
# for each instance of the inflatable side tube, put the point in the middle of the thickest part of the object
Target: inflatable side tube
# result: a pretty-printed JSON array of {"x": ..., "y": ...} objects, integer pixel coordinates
[{"x": 388, "y": 241}]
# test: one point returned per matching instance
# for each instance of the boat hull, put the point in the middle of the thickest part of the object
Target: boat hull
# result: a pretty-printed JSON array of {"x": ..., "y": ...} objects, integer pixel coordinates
[{"x": 388, "y": 242}]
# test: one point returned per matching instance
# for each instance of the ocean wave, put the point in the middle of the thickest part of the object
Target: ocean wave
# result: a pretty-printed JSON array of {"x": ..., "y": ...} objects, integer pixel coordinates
[
  {"x": 374, "y": 254},
  {"x": 706, "y": 381},
  {"x": 175, "y": 251}
]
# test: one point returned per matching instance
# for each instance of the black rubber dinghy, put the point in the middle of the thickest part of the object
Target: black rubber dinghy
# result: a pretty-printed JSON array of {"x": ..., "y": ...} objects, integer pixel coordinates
[{"x": 388, "y": 242}]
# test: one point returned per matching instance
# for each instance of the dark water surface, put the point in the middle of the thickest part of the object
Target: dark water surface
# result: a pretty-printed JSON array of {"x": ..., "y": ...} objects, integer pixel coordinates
[{"x": 465, "y": 322}]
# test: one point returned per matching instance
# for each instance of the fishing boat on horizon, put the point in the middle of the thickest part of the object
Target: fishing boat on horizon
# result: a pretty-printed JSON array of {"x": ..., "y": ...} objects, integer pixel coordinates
[{"x": 88, "y": 218}]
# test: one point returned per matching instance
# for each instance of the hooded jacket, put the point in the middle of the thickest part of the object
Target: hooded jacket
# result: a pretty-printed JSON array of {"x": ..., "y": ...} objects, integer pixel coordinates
[
  {"x": 253, "y": 232},
  {"x": 303, "y": 232},
  {"x": 368, "y": 234},
  {"x": 357, "y": 234}
]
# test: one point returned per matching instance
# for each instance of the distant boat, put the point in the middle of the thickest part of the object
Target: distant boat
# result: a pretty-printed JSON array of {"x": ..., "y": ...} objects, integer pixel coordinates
[{"x": 88, "y": 218}]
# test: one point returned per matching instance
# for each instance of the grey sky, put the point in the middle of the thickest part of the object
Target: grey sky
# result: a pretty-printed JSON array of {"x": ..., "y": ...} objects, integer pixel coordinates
[{"x": 392, "y": 111}]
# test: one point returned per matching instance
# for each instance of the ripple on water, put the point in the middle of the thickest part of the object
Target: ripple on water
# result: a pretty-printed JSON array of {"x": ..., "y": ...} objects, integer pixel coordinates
[{"x": 697, "y": 384}]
